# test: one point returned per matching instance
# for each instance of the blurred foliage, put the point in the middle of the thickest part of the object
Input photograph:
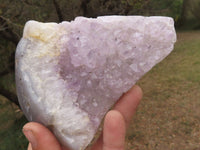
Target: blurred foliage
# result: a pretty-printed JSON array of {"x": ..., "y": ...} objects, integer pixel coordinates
[{"x": 195, "y": 10}]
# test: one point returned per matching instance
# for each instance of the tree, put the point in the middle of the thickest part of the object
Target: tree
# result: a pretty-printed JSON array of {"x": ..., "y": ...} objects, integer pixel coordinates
[
  {"x": 184, "y": 11},
  {"x": 194, "y": 8}
]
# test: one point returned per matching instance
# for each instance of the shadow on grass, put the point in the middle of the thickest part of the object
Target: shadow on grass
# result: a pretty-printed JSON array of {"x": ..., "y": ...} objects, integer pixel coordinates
[
  {"x": 13, "y": 138},
  {"x": 11, "y": 123}
]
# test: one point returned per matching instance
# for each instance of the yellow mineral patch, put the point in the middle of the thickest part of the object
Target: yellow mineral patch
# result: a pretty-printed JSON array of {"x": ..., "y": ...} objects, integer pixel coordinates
[
  {"x": 40, "y": 31},
  {"x": 49, "y": 53},
  {"x": 47, "y": 34},
  {"x": 86, "y": 119}
]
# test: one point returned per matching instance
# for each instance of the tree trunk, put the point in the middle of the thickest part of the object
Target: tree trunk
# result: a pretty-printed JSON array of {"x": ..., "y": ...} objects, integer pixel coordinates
[
  {"x": 9, "y": 95},
  {"x": 58, "y": 11},
  {"x": 183, "y": 16}
]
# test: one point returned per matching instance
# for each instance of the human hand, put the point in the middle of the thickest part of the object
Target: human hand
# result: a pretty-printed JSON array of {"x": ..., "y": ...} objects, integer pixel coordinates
[{"x": 114, "y": 129}]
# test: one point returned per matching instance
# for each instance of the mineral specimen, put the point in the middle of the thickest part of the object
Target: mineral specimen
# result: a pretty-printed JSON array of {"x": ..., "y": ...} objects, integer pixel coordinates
[{"x": 69, "y": 74}]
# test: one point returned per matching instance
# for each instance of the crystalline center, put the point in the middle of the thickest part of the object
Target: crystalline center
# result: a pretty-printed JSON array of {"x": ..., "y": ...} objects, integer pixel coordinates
[{"x": 99, "y": 71}]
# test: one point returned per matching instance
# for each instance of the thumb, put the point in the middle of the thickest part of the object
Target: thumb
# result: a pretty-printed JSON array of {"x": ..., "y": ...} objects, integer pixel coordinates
[{"x": 40, "y": 137}]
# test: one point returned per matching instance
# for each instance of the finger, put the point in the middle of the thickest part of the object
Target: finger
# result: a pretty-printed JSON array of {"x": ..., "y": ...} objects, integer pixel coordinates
[
  {"x": 29, "y": 146},
  {"x": 128, "y": 103},
  {"x": 40, "y": 137},
  {"x": 114, "y": 131}
]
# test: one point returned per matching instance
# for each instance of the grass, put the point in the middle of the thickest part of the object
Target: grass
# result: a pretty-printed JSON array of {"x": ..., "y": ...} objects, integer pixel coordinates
[
  {"x": 169, "y": 114},
  {"x": 168, "y": 117},
  {"x": 11, "y": 123}
]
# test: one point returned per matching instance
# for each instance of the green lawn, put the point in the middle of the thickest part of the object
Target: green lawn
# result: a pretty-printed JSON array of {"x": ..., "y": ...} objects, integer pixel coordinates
[
  {"x": 169, "y": 114},
  {"x": 168, "y": 117}
]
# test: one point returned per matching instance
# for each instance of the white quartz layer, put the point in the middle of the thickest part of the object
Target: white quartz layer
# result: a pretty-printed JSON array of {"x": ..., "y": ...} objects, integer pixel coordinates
[{"x": 68, "y": 75}]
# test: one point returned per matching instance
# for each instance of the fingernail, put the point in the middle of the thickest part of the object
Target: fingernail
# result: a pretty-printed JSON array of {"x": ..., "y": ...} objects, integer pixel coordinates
[{"x": 31, "y": 138}]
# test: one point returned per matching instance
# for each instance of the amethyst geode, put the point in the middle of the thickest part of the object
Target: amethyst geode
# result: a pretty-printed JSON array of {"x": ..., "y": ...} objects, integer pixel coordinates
[{"x": 69, "y": 74}]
